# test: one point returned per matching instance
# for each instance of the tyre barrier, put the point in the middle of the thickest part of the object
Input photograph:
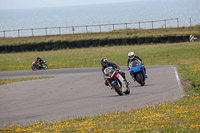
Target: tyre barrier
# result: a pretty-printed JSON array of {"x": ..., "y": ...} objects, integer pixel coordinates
[{"x": 92, "y": 43}]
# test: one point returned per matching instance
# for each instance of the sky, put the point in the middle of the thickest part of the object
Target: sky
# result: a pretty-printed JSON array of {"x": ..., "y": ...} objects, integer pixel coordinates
[{"x": 21, "y": 4}]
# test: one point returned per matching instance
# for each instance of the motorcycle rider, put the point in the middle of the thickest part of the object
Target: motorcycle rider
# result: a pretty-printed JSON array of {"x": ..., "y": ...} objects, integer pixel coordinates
[
  {"x": 40, "y": 61},
  {"x": 105, "y": 64},
  {"x": 131, "y": 57}
]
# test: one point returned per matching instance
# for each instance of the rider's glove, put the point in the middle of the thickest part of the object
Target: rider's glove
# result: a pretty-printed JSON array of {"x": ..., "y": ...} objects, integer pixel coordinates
[
  {"x": 117, "y": 69},
  {"x": 106, "y": 83}
]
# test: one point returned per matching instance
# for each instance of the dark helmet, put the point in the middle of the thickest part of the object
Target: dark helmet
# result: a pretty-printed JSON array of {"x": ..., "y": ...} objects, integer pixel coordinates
[
  {"x": 104, "y": 62},
  {"x": 37, "y": 58}
]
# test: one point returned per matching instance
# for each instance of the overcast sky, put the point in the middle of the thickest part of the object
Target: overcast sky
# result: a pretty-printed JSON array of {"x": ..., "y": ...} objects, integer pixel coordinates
[{"x": 20, "y": 4}]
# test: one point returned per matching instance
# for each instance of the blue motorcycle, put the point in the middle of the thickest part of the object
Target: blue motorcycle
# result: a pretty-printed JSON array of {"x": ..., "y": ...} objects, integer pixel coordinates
[{"x": 137, "y": 72}]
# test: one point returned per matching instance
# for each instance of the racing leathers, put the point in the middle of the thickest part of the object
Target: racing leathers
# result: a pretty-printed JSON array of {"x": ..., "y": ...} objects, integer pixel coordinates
[{"x": 40, "y": 61}]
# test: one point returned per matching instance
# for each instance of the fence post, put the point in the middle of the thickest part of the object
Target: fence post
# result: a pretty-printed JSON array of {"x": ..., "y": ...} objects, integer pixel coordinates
[
  {"x": 73, "y": 29},
  {"x": 190, "y": 21},
  {"x": 126, "y": 26},
  {"x": 4, "y": 34},
  {"x": 152, "y": 25},
  {"x": 59, "y": 30},
  {"x": 165, "y": 23},
  {"x": 113, "y": 27},
  {"x": 32, "y": 32},
  {"x": 18, "y": 33},
  {"x": 177, "y": 22}
]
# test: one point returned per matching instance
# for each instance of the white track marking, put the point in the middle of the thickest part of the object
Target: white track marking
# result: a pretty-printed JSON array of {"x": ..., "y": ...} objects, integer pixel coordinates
[{"x": 177, "y": 77}]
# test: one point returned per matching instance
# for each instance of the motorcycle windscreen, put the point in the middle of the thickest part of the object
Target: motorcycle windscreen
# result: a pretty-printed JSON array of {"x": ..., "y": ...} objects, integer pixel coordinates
[
  {"x": 108, "y": 71},
  {"x": 135, "y": 66}
]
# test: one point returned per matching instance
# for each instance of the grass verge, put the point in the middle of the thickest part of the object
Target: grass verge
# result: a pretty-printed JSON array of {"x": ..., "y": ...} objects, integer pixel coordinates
[
  {"x": 7, "y": 81},
  {"x": 179, "y": 116},
  {"x": 153, "y": 54}
]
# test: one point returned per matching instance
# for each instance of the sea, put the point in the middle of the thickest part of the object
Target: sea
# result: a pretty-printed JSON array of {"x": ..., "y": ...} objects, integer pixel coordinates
[{"x": 188, "y": 12}]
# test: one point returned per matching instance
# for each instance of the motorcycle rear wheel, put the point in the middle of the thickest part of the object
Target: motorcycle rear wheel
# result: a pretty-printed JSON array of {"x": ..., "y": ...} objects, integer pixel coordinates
[
  {"x": 117, "y": 89},
  {"x": 45, "y": 66},
  {"x": 127, "y": 91}
]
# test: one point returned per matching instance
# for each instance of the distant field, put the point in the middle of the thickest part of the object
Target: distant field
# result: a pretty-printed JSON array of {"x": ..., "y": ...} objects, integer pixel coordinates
[{"x": 130, "y": 33}]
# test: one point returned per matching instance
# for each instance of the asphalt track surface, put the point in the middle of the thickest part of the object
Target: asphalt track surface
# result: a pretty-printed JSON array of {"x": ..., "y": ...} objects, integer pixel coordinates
[{"x": 77, "y": 92}]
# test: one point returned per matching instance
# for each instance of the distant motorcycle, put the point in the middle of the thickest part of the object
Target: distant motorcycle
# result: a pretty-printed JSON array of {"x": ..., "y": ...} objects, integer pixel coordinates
[
  {"x": 137, "y": 72},
  {"x": 36, "y": 65},
  {"x": 116, "y": 81}
]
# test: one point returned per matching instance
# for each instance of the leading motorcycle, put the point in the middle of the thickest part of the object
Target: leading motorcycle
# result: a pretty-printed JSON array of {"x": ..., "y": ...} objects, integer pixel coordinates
[
  {"x": 116, "y": 81},
  {"x": 36, "y": 65}
]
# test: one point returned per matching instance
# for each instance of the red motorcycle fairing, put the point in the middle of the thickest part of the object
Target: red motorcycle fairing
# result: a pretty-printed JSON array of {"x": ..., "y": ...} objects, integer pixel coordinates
[
  {"x": 111, "y": 79},
  {"x": 34, "y": 63}
]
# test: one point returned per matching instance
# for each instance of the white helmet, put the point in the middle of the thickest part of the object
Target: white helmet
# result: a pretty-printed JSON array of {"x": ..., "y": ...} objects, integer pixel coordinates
[{"x": 131, "y": 55}]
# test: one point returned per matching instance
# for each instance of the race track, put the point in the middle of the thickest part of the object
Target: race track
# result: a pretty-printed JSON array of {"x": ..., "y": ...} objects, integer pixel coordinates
[{"x": 76, "y": 92}]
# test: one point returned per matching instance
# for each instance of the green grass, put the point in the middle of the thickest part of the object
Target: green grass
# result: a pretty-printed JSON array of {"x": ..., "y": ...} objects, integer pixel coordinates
[
  {"x": 180, "y": 116},
  {"x": 8, "y": 81},
  {"x": 159, "y": 54}
]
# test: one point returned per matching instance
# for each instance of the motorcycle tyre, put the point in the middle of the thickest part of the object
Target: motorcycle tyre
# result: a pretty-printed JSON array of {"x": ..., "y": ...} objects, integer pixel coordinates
[
  {"x": 127, "y": 90},
  {"x": 34, "y": 68},
  {"x": 117, "y": 89},
  {"x": 139, "y": 78},
  {"x": 46, "y": 67}
]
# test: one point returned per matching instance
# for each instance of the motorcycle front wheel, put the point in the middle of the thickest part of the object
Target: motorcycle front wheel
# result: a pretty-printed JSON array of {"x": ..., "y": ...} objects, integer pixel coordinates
[
  {"x": 139, "y": 78},
  {"x": 34, "y": 68},
  {"x": 117, "y": 89}
]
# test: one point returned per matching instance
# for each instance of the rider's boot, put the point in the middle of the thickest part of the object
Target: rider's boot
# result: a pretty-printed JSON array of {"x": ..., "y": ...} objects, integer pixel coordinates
[
  {"x": 127, "y": 82},
  {"x": 123, "y": 75},
  {"x": 110, "y": 86},
  {"x": 145, "y": 71}
]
